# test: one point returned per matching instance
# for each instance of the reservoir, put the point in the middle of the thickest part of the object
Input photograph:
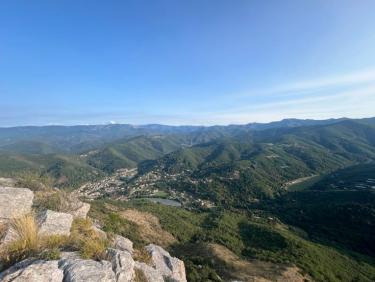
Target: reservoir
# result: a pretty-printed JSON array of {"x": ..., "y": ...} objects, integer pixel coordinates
[{"x": 165, "y": 202}]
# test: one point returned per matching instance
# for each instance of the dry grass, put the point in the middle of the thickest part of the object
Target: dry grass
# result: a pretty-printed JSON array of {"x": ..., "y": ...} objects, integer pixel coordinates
[
  {"x": 232, "y": 267},
  {"x": 150, "y": 228},
  {"x": 3, "y": 228},
  {"x": 87, "y": 241},
  {"x": 27, "y": 243},
  {"x": 34, "y": 181},
  {"x": 83, "y": 239},
  {"x": 142, "y": 255},
  {"x": 139, "y": 276},
  {"x": 52, "y": 200}
]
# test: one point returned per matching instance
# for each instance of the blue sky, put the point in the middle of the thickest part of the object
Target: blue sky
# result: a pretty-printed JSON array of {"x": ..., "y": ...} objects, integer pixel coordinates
[{"x": 185, "y": 62}]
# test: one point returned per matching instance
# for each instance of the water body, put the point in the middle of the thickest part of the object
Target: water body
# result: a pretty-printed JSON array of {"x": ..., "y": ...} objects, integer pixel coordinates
[{"x": 166, "y": 202}]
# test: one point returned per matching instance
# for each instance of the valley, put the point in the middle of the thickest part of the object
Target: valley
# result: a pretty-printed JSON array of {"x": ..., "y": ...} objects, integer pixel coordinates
[{"x": 287, "y": 200}]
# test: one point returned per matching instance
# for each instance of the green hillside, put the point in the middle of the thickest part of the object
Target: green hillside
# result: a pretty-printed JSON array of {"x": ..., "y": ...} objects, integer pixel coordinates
[
  {"x": 247, "y": 236},
  {"x": 241, "y": 171},
  {"x": 67, "y": 171},
  {"x": 128, "y": 153}
]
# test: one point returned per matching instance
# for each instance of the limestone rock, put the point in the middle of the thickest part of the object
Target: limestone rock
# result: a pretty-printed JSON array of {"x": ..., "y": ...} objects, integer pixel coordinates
[
  {"x": 8, "y": 182},
  {"x": 150, "y": 273},
  {"x": 69, "y": 255},
  {"x": 79, "y": 270},
  {"x": 9, "y": 235},
  {"x": 122, "y": 265},
  {"x": 80, "y": 210},
  {"x": 33, "y": 271},
  {"x": 169, "y": 266},
  {"x": 99, "y": 232},
  {"x": 54, "y": 223},
  {"x": 123, "y": 244},
  {"x": 15, "y": 202}
]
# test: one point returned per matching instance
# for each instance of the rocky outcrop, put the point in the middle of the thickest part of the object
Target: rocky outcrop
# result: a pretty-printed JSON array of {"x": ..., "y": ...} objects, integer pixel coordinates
[
  {"x": 79, "y": 270},
  {"x": 118, "y": 266},
  {"x": 122, "y": 265},
  {"x": 15, "y": 202},
  {"x": 9, "y": 235},
  {"x": 33, "y": 271},
  {"x": 82, "y": 211},
  {"x": 8, "y": 182},
  {"x": 77, "y": 208},
  {"x": 54, "y": 223},
  {"x": 123, "y": 244},
  {"x": 150, "y": 273},
  {"x": 168, "y": 266}
]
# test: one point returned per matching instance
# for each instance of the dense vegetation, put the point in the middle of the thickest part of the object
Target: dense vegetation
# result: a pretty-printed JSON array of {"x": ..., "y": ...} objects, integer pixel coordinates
[
  {"x": 324, "y": 225},
  {"x": 339, "y": 208},
  {"x": 248, "y": 237}
]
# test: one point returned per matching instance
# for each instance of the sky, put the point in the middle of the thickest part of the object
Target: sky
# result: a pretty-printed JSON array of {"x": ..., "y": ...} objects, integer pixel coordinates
[{"x": 199, "y": 62}]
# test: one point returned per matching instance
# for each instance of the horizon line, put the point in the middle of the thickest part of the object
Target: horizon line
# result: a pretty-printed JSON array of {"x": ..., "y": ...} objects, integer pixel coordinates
[{"x": 180, "y": 125}]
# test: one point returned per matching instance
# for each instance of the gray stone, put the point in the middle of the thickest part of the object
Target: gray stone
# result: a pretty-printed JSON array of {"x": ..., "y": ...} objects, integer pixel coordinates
[
  {"x": 8, "y": 182},
  {"x": 99, "y": 232},
  {"x": 122, "y": 265},
  {"x": 123, "y": 244},
  {"x": 169, "y": 266},
  {"x": 80, "y": 210},
  {"x": 15, "y": 202},
  {"x": 79, "y": 270},
  {"x": 69, "y": 255},
  {"x": 150, "y": 273},
  {"x": 33, "y": 271},
  {"x": 9, "y": 235},
  {"x": 54, "y": 223}
]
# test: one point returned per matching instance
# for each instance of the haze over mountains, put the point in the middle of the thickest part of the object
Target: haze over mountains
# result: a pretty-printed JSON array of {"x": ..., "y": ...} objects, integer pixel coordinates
[
  {"x": 290, "y": 148},
  {"x": 291, "y": 193}
]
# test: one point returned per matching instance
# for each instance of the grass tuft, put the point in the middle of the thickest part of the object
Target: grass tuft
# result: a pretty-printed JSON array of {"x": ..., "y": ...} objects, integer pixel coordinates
[
  {"x": 27, "y": 243},
  {"x": 87, "y": 241},
  {"x": 139, "y": 276}
]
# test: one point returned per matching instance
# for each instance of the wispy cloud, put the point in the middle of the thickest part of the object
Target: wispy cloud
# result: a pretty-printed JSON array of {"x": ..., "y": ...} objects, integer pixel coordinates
[
  {"x": 316, "y": 85},
  {"x": 351, "y": 95}
]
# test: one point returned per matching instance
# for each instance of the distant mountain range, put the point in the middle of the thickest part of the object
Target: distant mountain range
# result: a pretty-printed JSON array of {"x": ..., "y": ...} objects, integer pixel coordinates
[
  {"x": 47, "y": 139},
  {"x": 276, "y": 151},
  {"x": 292, "y": 191}
]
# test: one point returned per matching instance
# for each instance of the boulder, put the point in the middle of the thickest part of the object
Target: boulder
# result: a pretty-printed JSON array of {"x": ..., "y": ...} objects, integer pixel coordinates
[
  {"x": 9, "y": 235},
  {"x": 123, "y": 244},
  {"x": 33, "y": 271},
  {"x": 8, "y": 182},
  {"x": 69, "y": 255},
  {"x": 168, "y": 266},
  {"x": 80, "y": 210},
  {"x": 15, "y": 202},
  {"x": 122, "y": 265},
  {"x": 99, "y": 232},
  {"x": 54, "y": 223},
  {"x": 150, "y": 273},
  {"x": 79, "y": 270}
]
